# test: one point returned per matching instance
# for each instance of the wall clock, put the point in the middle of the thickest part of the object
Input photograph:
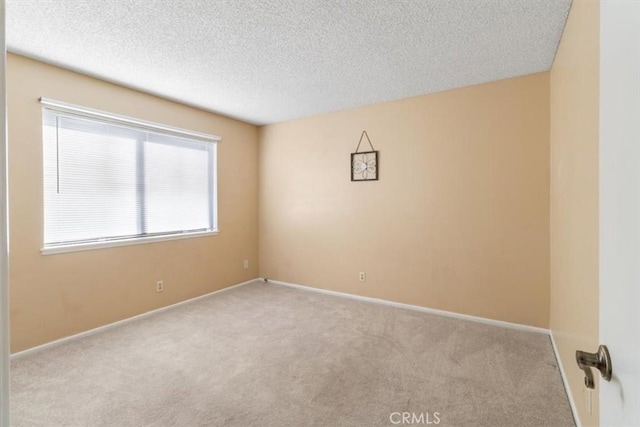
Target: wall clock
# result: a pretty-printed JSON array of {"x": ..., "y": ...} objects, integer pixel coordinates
[{"x": 364, "y": 164}]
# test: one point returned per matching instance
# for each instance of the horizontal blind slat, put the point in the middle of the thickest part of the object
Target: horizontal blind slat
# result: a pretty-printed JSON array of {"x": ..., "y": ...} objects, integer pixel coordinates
[{"x": 106, "y": 117}]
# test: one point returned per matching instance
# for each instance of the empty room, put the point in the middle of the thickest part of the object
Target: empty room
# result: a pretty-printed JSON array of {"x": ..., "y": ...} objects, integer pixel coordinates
[{"x": 320, "y": 213}]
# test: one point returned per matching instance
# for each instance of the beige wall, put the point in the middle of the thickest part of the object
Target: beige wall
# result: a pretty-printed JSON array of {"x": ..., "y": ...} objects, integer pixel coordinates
[
  {"x": 459, "y": 220},
  {"x": 575, "y": 85},
  {"x": 59, "y": 295}
]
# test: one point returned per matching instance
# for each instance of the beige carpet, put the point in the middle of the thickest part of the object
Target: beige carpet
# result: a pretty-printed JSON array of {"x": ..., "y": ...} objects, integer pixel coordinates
[{"x": 265, "y": 355}]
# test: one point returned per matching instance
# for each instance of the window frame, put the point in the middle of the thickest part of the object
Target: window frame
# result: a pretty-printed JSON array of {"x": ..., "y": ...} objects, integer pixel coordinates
[{"x": 63, "y": 108}]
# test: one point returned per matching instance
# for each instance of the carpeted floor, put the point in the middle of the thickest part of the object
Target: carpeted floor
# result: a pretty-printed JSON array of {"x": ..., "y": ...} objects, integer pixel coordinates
[{"x": 265, "y": 355}]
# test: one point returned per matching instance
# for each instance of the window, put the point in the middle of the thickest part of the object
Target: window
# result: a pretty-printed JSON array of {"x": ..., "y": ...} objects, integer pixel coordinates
[{"x": 112, "y": 180}]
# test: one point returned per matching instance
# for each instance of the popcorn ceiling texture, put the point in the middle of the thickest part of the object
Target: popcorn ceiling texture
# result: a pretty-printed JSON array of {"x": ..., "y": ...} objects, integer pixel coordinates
[{"x": 266, "y": 61}]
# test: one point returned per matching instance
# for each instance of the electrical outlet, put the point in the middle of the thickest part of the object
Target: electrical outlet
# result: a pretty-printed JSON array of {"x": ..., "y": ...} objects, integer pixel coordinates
[
  {"x": 363, "y": 277},
  {"x": 246, "y": 264},
  {"x": 159, "y": 286}
]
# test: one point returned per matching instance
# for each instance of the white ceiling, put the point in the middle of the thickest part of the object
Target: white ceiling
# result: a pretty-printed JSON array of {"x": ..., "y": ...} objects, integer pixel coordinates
[{"x": 266, "y": 61}]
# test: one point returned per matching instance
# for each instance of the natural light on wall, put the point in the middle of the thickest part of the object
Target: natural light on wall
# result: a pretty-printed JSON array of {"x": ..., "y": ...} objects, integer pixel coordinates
[{"x": 111, "y": 180}]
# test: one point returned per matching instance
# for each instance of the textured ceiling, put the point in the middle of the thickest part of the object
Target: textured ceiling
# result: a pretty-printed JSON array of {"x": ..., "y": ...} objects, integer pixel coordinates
[{"x": 265, "y": 61}]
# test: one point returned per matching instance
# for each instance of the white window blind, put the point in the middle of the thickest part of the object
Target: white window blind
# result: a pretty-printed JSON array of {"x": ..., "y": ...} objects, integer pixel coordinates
[{"x": 107, "y": 179}]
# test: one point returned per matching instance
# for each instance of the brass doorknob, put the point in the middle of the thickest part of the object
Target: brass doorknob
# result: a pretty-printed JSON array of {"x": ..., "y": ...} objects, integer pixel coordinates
[{"x": 599, "y": 360}]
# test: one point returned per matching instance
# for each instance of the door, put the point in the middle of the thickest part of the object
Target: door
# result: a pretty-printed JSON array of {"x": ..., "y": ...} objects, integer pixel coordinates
[
  {"x": 4, "y": 238},
  {"x": 620, "y": 208}
]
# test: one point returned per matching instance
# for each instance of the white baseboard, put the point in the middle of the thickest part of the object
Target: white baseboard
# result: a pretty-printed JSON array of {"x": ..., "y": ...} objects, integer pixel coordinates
[
  {"x": 567, "y": 389},
  {"x": 121, "y": 322},
  {"x": 416, "y": 308}
]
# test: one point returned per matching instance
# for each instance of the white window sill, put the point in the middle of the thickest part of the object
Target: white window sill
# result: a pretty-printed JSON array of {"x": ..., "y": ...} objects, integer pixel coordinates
[{"x": 52, "y": 250}]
